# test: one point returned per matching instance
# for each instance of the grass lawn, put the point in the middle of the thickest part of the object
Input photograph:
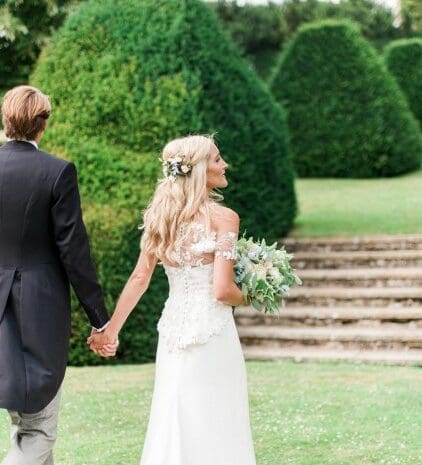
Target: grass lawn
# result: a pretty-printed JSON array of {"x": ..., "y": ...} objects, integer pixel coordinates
[
  {"x": 330, "y": 207},
  {"x": 301, "y": 414}
]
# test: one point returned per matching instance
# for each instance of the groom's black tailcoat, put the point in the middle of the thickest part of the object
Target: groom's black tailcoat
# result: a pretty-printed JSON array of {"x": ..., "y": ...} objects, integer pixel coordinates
[{"x": 43, "y": 246}]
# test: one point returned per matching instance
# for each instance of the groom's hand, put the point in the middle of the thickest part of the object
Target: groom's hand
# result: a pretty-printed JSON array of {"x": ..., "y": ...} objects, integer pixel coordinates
[{"x": 103, "y": 343}]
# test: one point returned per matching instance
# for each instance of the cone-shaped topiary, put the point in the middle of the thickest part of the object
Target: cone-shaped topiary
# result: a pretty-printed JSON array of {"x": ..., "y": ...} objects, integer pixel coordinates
[
  {"x": 346, "y": 114},
  {"x": 125, "y": 76},
  {"x": 404, "y": 60}
]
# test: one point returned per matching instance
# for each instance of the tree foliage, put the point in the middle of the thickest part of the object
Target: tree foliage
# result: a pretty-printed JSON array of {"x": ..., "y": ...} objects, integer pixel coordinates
[
  {"x": 413, "y": 10},
  {"x": 25, "y": 26},
  {"x": 253, "y": 27},
  {"x": 257, "y": 27},
  {"x": 262, "y": 31},
  {"x": 259, "y": 30}
]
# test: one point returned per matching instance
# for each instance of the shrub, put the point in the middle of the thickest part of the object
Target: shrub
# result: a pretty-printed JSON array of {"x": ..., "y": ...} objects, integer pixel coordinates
[
  {"x": 404, "y": 60},
  {"x": 126, "y": 76},
  {"x": 346, "y": 114}
]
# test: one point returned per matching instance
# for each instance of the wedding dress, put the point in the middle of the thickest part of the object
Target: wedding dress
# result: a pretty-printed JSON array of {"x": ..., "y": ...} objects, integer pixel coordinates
[{"x": 199, "y": 411}]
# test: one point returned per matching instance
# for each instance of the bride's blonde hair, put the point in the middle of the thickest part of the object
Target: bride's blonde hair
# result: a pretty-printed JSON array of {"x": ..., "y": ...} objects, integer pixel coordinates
[{"x": 180, "y": 200}]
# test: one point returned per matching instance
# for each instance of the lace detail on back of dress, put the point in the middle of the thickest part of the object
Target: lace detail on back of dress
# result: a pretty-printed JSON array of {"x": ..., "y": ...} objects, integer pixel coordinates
[
  {"x": 195, "y": 246},
  {"x": 191, "y": 314}
]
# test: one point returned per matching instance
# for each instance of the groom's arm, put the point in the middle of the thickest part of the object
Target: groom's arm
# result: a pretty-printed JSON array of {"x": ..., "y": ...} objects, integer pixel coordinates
[{"x": 72, "y": 241}]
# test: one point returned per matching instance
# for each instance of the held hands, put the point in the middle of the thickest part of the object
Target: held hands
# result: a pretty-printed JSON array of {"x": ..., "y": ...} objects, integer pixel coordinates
[{"x": 103, "y": 343}]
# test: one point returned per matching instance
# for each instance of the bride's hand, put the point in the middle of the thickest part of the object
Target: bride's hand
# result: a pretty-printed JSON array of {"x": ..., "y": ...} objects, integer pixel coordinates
[{"x": 104, "y": 343}]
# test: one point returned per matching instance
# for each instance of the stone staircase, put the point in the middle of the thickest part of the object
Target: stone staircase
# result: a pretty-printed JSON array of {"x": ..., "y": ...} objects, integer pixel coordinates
[{"x": 361, "y": 300}]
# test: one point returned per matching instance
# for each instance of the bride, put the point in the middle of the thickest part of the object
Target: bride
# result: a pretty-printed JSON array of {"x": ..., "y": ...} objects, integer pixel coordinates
[{"x": 199, "y": 411}]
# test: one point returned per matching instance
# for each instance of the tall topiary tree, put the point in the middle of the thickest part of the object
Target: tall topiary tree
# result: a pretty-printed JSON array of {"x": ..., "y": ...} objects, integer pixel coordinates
[
  {"x": 346, "y": 114},
  {"x": 125, "y": 77},
  {"x": 404, "y": 60}
]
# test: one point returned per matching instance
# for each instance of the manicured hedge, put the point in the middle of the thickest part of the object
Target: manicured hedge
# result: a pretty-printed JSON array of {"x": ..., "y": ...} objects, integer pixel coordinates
[
  {"x": 346, "y": 114},
  {"x": 125, "y": 76},
  {"x": 404, "y": 60}
]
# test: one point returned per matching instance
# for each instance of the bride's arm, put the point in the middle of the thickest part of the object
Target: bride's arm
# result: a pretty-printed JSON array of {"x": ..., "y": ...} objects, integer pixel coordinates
[
  {"x": 227, "y": 228},
  {"x": 134, "y": 289}
]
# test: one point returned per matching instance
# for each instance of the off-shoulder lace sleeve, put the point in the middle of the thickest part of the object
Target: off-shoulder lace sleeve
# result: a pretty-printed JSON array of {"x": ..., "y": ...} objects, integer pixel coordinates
[{"x": 226, "y": 245}]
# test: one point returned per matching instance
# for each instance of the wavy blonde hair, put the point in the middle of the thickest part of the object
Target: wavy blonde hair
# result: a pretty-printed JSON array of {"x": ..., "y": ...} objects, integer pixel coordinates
[{"x": 179, "y": 201}]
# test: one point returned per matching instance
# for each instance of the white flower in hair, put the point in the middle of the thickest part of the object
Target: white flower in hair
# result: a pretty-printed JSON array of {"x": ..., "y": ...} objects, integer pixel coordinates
[{"x": 172, "y": 167}]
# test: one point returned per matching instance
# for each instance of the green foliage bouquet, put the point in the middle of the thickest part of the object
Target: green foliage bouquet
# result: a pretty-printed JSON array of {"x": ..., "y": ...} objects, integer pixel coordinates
[{"x": 264, "y": 274}]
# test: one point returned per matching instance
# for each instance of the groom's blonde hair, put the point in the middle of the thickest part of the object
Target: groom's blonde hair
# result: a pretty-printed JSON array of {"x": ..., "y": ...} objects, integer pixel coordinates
[
  {"x": 25, "y": 111},
  {"x": 182, "y": 200}
]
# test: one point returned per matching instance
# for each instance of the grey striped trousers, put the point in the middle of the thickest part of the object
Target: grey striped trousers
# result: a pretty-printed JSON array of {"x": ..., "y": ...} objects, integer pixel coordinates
[{"x": 33, "y": 436}]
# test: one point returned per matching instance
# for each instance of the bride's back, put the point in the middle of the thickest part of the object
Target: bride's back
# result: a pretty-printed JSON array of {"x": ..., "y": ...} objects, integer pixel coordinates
[{"x": 191, "y": 314}]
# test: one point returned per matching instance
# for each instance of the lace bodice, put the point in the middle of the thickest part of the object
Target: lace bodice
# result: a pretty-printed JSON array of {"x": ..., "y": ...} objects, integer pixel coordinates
[
  {"x": 191, "y": 314},
  {"x": 196, "y": 246}
]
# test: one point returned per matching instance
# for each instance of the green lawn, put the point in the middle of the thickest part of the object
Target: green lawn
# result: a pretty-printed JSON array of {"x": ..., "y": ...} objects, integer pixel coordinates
[
  {"x": 350, "y": 206},
  {"x": 302, "y": 414}
]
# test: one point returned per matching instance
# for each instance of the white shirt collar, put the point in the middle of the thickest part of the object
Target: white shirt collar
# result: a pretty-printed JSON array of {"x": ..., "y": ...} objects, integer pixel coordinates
[{"x": 23, "y": 140}]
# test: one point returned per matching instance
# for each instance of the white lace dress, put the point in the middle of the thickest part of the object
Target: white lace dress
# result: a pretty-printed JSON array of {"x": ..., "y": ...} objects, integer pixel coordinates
[{"x": 199, "y": 411}]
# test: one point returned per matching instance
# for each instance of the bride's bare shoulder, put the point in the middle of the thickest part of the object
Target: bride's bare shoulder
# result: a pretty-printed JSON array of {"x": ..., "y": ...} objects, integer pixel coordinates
[{"x": 223, "y": 216}]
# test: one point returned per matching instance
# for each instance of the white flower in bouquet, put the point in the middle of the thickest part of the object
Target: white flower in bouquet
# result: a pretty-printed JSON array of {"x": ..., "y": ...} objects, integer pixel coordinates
[
  {"x": 261, "y": 272},
  {"x": 264, "y": 274},
  {"x": 275, "y": 274}
]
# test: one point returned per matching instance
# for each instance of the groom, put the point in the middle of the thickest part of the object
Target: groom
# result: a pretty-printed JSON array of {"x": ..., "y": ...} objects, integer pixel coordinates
[{"x": 43, "y": 247}]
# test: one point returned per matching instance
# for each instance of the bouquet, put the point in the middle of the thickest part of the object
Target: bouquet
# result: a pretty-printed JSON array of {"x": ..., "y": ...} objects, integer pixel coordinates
[{"x": 264, "y": 274}]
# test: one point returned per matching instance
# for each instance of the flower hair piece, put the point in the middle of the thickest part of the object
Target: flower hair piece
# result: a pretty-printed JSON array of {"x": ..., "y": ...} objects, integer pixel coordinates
[{"x": 174, "y": 167}]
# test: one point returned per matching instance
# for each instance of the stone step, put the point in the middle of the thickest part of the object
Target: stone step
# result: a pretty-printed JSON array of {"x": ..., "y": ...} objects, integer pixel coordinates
[
  {"x": 302, "y": 354},
  {"x": 361, "y": 301},
  {"x": 356, "y": 296},
  {"x": 385, "y": 259},
  {"x": 363, "y": 277},
  {"x": 387, "y": 337},
  {"x": 331, "y": 316},
  {"x": 353, "y": 243}
]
